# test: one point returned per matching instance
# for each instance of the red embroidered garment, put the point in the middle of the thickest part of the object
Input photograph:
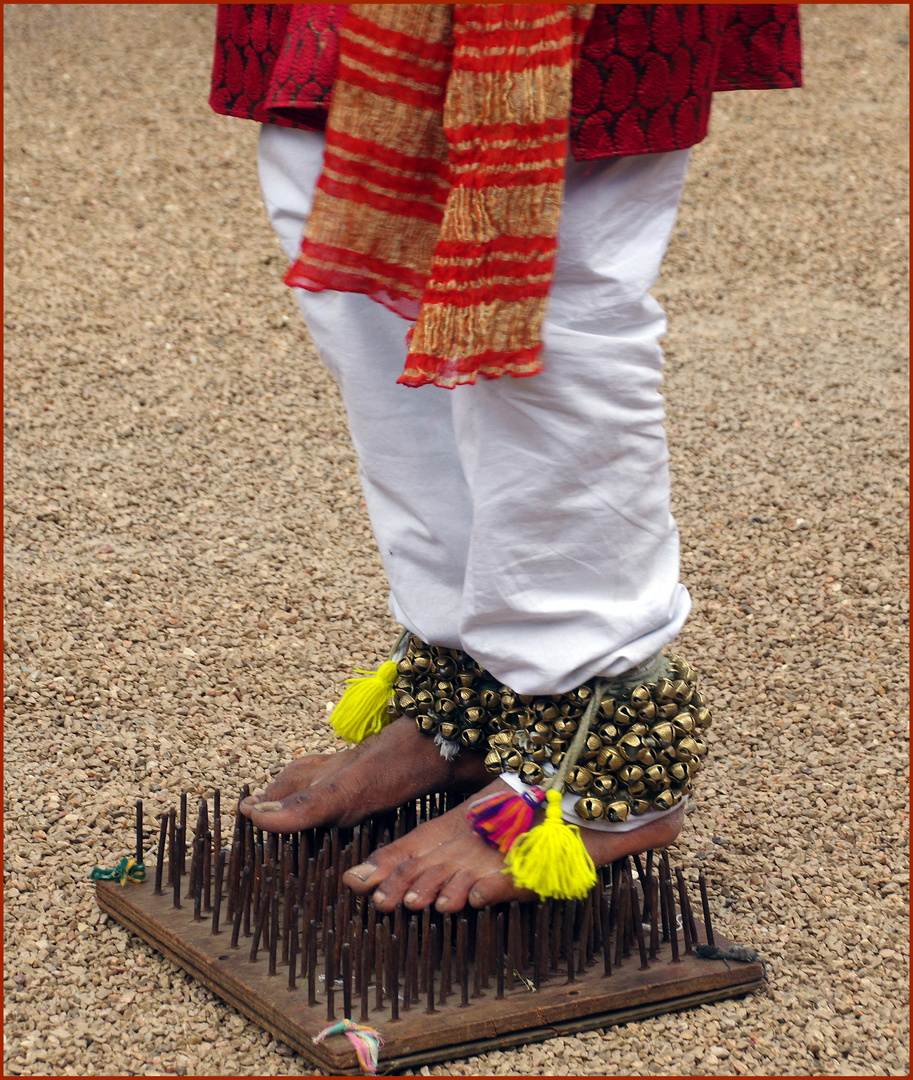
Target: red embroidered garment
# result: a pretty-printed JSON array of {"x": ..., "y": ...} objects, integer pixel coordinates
[{"x": 643, "y": 83}]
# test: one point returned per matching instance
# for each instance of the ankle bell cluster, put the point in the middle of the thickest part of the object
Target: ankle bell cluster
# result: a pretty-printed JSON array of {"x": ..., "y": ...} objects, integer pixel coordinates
[{"x": 642, "y": 752}]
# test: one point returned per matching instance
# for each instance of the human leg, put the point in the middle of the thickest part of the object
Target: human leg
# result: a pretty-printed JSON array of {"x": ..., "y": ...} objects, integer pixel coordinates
[
  {"x": 572, "y": 568},
  {"x": 418, "y": 506}
]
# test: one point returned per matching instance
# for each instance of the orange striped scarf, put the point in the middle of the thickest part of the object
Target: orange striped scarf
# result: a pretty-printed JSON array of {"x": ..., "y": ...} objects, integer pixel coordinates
[{"x": 443, "y": 177}]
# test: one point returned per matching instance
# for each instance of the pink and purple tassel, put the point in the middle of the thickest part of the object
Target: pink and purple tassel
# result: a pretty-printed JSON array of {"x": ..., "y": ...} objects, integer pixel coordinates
[{"x": 500, "y": 818}]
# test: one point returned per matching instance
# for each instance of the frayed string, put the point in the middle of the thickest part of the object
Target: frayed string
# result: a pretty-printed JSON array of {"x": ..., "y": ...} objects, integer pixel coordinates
[
  {"x": 367, "y": 1042},
  {"x": 126, "y": 870}
]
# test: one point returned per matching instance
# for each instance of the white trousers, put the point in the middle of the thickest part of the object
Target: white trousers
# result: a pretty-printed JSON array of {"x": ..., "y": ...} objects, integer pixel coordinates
[{"x": 524, "y": 520}]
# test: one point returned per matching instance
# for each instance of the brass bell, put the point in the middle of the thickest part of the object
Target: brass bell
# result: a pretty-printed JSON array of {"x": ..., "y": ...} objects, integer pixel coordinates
[
  {"x": 564, "y": 727},
  {"x": 608, "y": 732},
  {"x": 466, "y": 696},
  {"x": 511, "y": 759},
  {"x": 424, "y": 699},
  {"x": 645, "y": 756},
  {"x": 445, "y": 667},
  {"x": 609, "y": 758},
  {"x": 557, "y": 744},
  {"x": 425, "y": 724},
  {"x": 496, "y": 724},
  {"x": 471, "y": 737},
  {"x": 502, "y": 738},
  {"x": 539, "y": 734},
  {"x": 682, "y": 668},
  {"x": 421, "y": 662},
  {"x": 605, "y": 786},
  {"x": 525, "y": 718},
  {"x": 540, "y": 754},
  {"x": 618, "y": 810},
  {"x": 581, "y": 694},
  {"x": 526, "y": 699},
  {"x": 667, "y": 711},
  {"x": 656, "y": 777},
  {"x": 640, "y": 695},
  {"x": 682, "y": 691},
  {"x": 701, "y": 717},
  {"x": 637, "y": 789},
  {"x": 698, "y": 700},
  {"x": 694, "y": 766},
  {"x": 624, "y": 715},
  {"x": 630, "y": 774},
  {"x": 443, "y": 688},
  {"x": 677, "y": 772},
  {"x": 404, "y": 684},
  {"x": 686, "y": 748},
  {"x": 474, "y": 715},
  {"x": 579, "y": 779},
  {"x": 508, "y": 699},
  {"x": 591, "y": 747},
  {"x": 407, "y": 704},
  {"x": 665, "y": 800},
  {"x": 648, "y": 711},
  {"x": 557, "y": 756},
  {"x": 663, "y": 733},
  {"x": 465, "y": 678},
  {"x": 629, "y": 747},
  {"x": 448, "y": 730},
  {"x": 531, "y": 773},
  {"x": 701, "y": 749},
  {"x": 547, "y": 711},
  {"x": 490, "y": 699},
  {"x": 664, "y": 691},
  {"x": 447, "y": 707},
  {"x": 607, "y": 708},
  {"x": 638, "y": 729},
  {"x": 571, "y": 710},
  {"x": 493, "y": 761},
  {"x": 404, "y": 666},
  {"x": 685, "y": 722},
  {"x": 640, "y": 806},
  {"x": 589, "y": 809}
]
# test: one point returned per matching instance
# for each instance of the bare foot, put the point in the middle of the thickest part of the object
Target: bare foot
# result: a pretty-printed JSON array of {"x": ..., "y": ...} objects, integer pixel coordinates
[
  {"x": 386, "y": 770},
  {"x": 445, "y": 863}
]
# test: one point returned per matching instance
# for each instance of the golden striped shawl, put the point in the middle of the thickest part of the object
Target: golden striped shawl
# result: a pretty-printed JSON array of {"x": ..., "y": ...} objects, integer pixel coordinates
[{"x": 443, "y": 177}]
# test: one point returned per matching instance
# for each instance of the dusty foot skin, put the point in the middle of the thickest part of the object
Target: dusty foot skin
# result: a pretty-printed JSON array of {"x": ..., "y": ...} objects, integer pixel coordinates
[
  {"x": 343, "y": 788},
  {"x": 443, "y": 862}
]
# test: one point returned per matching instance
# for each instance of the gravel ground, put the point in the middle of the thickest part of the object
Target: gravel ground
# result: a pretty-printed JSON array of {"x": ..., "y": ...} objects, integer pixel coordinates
[{"x": 190, "y": 573}]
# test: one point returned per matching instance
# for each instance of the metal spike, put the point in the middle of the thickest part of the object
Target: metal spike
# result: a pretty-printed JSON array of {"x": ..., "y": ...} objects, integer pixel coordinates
[
  {"x": 160, "y": 854},
  {"x": 394, "y": 977},
  {"x": 705, "y": 906},
  {"x": 217, "y": 896},
  {"x": 312, "y": 963},
  {"x": 365, "y": 978},
  {"x": 429, "y": 948},
  {"x": 139, "y": 831},
  {"x": 463, "y": 959},
  {"x": 293, "y": 947},
  {"x": 498, "y": 952},
  {"x": 346, "y": 979},
  {"x": 329, "y": 974}
]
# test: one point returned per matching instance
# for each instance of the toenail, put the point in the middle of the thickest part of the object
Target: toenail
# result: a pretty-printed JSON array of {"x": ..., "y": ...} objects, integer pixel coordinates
[
  {"x": 476, "y": 896},
  {"x": 410, "y": 897},
  {"x": 379, "y": 897},
  {"x": 363, "y": 871},
  {"x": 267, "y": 807},
  {"x": 442, "y": 904}
]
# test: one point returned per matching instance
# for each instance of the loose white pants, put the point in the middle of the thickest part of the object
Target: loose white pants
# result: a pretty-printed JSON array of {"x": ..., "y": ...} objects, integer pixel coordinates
[{"x": 524, "y": 520}]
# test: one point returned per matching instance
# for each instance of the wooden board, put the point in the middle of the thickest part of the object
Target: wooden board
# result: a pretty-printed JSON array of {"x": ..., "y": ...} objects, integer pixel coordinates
[{"x": 419, "y": 1037}]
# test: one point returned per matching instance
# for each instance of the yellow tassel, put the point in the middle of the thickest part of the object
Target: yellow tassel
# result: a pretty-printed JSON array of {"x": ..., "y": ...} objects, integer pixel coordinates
[
  {"x": 362, "y": 709},
  {"x": 550, "y": 859}
]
